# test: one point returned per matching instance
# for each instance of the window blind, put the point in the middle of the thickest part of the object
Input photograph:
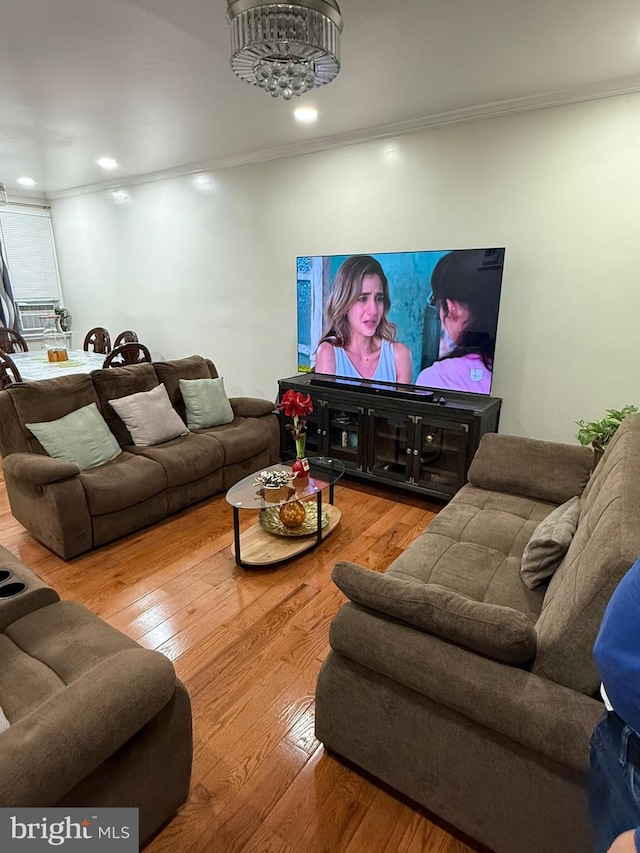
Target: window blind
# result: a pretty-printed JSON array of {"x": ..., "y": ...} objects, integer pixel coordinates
[{"x": 29, "y": 251}]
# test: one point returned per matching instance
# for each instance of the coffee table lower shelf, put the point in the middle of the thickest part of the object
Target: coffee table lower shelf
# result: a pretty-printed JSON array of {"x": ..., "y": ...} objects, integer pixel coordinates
[{"x": 258, "y": 547}]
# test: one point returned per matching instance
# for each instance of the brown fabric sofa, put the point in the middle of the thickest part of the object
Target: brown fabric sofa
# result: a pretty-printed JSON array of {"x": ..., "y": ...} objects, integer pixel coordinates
[
  {"x": 95, "y": 719},
  {"x": 421, "y": 699},
  {"x": 72, "y": 511}
]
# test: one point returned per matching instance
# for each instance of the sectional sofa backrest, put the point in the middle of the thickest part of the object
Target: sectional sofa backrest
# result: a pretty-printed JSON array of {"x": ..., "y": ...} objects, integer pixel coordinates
[{"x": 605, "y": 545}]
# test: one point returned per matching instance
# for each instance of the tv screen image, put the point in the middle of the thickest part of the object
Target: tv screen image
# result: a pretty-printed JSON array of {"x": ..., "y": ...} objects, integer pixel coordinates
[{"x": 426, "y": 319}]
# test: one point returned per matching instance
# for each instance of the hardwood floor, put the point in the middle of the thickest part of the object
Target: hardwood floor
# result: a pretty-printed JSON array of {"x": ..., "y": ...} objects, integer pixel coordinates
[{"x": 248, "y": 645}]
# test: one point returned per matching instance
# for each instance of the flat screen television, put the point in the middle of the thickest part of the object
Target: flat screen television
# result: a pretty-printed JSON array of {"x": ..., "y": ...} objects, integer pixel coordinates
[{"x": 426, "y": 319}]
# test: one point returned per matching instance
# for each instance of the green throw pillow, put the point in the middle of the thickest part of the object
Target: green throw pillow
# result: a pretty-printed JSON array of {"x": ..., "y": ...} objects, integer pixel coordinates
[
  {"x": 206, "y": 403},
  {"x": 81, "y": 437}
]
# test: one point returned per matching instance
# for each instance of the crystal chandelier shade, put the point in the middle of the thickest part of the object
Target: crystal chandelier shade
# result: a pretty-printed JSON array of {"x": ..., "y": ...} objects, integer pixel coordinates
[{"x": 285, "y": 48}]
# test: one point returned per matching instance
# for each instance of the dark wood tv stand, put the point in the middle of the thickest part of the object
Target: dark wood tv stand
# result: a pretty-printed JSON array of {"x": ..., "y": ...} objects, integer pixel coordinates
[{"x": 388, "y": 433}]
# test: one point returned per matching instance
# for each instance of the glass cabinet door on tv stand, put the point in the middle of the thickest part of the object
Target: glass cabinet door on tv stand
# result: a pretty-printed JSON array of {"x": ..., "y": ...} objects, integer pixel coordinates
[
  {"x": 334, "y": 429},
  {"x": 419, "y": 451},
  {"x": 389, "y": 442},
  {"x": 439, "y": 452},
  {"x": 345, "y": 433}
]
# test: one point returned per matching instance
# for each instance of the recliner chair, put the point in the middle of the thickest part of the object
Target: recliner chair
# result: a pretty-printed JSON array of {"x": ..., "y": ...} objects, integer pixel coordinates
[{"x": 94, "y": 719}]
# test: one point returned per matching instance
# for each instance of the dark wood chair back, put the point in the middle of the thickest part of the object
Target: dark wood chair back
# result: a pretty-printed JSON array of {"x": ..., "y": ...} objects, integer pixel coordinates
[
  {"x": 9, "y": 373},
  {"x": 135, "y": 353},
  {"x": 12, "y": 341},
  {"x": 128, "y": 337},
  {"x": 97, "y": 340}
]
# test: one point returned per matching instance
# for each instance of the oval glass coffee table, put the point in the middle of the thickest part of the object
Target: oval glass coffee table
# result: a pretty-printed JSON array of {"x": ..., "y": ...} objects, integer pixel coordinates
[{"x": 271, "y": 540}]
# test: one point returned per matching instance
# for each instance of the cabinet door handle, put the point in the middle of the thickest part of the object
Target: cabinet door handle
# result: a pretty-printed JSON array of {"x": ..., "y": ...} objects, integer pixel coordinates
[
  {"x": 415, "y": 452},
  {"x": 408, "y": 451},
  {"x": 324, "y": 432}
]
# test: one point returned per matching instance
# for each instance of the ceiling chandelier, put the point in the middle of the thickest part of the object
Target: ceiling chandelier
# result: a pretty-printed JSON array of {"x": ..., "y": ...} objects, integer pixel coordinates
[{"x": 285, "y": 48}]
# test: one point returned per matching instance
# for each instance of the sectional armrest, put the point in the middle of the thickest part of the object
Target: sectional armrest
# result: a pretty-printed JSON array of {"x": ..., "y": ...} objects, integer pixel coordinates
[
  {"x": 251, "y": 407},
  {"x": 36, "y": 595},
  {"x": 49, "y": 751},
  {"x": 533, "y": 711},
  {"x": 38, "y": 469},
  {"x": 542, "y": 470}
]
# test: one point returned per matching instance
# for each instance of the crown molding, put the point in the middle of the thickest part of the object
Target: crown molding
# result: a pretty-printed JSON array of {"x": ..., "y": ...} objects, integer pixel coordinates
[{"x": 622, "y": 86}]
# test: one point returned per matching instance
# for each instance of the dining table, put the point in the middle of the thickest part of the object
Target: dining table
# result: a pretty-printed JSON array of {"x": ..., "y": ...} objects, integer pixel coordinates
[{"x": 35, "y": 364}]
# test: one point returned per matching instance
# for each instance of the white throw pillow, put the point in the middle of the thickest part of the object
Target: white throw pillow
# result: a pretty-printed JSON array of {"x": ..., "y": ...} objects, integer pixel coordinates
[{"x": 150, "y": 417}]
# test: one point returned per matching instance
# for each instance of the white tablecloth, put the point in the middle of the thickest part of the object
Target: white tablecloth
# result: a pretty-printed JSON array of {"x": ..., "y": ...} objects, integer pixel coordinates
[{"x": 35, "y": 365}]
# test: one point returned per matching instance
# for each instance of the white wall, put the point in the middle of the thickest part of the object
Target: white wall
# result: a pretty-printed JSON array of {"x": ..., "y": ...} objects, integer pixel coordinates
[{"x": 210, "y": 268}]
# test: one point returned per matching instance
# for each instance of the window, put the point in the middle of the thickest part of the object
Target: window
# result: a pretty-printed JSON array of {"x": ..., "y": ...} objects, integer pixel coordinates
[{"x": 27, "y": 241}]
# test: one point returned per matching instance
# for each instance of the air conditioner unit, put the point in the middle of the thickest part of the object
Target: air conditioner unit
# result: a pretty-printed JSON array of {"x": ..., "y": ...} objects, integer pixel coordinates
[{"x": 31, "y": 316}]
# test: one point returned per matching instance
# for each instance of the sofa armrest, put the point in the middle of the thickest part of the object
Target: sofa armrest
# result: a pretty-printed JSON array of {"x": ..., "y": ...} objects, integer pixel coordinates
[
  {"x": 35, "y": 596},
  {"x": 38, "y": 469},
  {"x": 49, "y": 751},
  {"x": 251, "y": 407},
  {"x": 542, "y": 715},
  {"x": 542, "y": 470}
]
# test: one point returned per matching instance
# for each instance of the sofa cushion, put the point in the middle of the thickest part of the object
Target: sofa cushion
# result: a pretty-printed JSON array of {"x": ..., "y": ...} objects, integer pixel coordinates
[
  {"x": 543, "y": 470},
  {"x": 206, "y": 403},
  {"x": 242, "y": 439},
  {"x": 498, "y": 632},
  {"x": 474, "y": 547},
  {"x": 149, "y": 417},
  {"x": 185, "y": 459},
  {"x": 549, "y": 543},
  {"x": 115, "y": 382},
  {"x": 49, "y": 400},
  {"x": 605, "y": 546},
  {"x": 124, "y": 482},
  {"x": 81, "y": 437}
]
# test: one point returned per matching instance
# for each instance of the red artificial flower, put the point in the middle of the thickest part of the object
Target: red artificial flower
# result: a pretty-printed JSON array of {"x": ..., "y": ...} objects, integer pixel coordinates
[{"x": 295, "y": 404}]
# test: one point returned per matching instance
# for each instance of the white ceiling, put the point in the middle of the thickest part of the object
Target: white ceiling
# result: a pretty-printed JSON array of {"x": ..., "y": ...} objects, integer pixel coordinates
[{"x": 148, "y": 82}]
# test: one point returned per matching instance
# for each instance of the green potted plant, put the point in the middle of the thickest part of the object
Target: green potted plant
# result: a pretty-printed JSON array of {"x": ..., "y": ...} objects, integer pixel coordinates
[{"x": 599, "y": 433}]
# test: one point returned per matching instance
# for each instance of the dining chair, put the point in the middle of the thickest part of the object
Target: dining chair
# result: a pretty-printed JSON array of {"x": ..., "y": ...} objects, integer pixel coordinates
[
  {"x": 12, "y": 341},
  {"x": 9, "y": 373},
  {"x": 134, "y": 353},
  {"x": 128, "y": 337},
  {"x": 97, "y": 340}
]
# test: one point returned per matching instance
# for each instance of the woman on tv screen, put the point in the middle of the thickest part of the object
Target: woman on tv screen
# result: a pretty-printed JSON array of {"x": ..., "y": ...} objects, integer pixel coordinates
[
  {"x": 466, "y": 293},
  {"x": 359, "y": 340}
]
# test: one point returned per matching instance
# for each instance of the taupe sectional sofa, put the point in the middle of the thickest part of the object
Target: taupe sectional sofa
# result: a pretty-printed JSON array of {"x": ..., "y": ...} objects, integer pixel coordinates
[
  {"x": 94, "y": 719},
  {"x": 72, "y": 511},
  {"x": 480, "y": 706}
]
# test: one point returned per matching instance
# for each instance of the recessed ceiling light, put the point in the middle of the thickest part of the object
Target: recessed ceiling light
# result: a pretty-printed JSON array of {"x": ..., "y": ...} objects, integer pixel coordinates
[
  {"x": 107, "y": 163},
  {"x": 306, "y": 114},
  {"x": 26, "y": 182}
]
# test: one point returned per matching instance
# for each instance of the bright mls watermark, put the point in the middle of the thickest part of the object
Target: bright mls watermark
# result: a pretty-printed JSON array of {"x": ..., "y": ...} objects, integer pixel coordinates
[{"x": 26, "y": 830}]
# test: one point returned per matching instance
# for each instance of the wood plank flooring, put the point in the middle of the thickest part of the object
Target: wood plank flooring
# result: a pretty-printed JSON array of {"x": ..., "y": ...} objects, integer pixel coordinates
[{"x": 249, "y": 645}]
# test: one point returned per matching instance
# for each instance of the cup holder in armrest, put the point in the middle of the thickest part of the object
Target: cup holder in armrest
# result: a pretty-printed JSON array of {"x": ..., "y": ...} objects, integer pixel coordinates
[
  {"x": 9, "y": 590},
  {"x": 5, "y": 574}
]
